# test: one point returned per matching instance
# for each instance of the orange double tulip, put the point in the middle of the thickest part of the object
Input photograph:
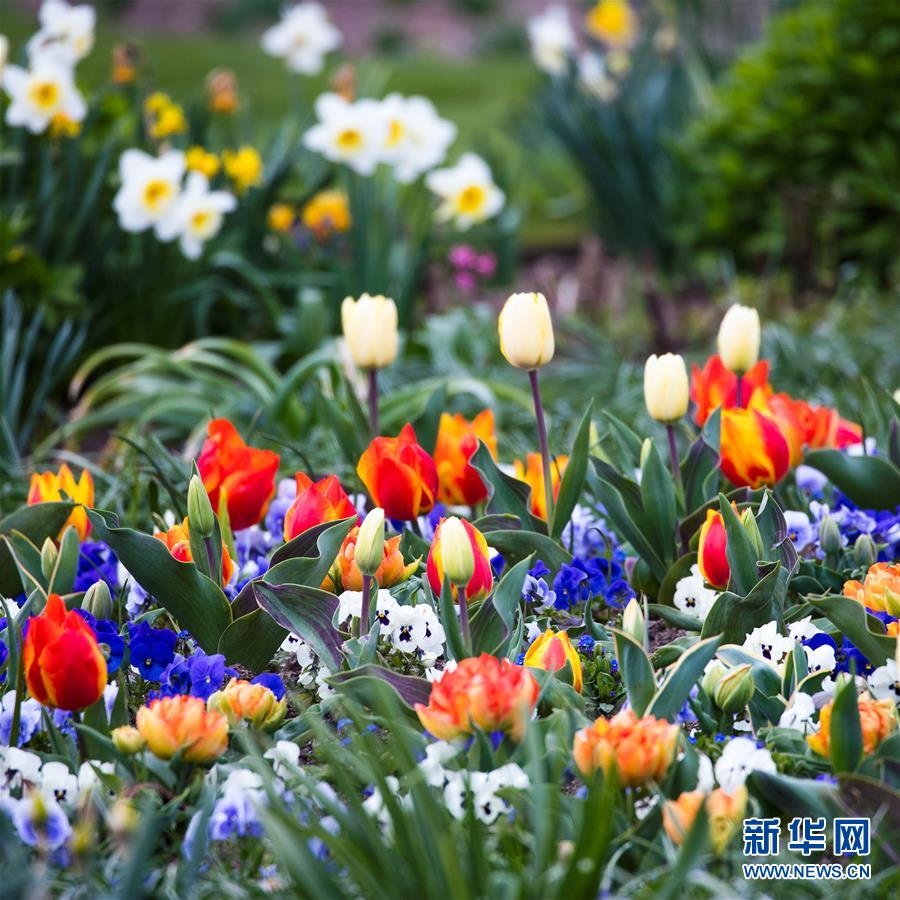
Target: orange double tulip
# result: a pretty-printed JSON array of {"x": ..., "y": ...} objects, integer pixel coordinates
[
  {"x": 879, "y": 590},
  {"x": 877, "y": 719},
  {"x": 346, "y": 576},
  {"x": 183, "y": 724},
  {"x": 725, "y": 811}
]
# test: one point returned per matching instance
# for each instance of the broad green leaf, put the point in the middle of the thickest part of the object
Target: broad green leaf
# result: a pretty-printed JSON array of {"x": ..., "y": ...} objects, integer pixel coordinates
[
  {"x": 735, "y": 617},
  {"x": 368, "y": 684},
  {"x": 846, "y": 745},
  {"x": 658, "y": 498},
  {"x": 871, "y": 482},
  {"x": 36, "y": 522},
  {"x": 572, "y": 482},
  {"x": 518, "y": 545},
  {"x": 505, "y": 493},
  {"x": 669, "y": 699},
  {"x": 636, "y": 670},
  {"x": 740, "y": 550}
]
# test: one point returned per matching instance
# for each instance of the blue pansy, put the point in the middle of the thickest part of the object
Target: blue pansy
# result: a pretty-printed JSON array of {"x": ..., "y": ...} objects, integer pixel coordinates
[
  {"x": 152, "y": 649},
  {"x": 272, "y": 681}
]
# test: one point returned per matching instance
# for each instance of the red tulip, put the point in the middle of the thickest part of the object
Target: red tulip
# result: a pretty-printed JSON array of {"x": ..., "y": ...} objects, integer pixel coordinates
[
  {"x": 316, "y": 502},
  {"x": 753, "y": 447},
  {"x": 711, "y": 556},
  {"x": 63, "y": 663},
  {"x": 244, "y": 476},
  {"x": 399, "y": 475}
]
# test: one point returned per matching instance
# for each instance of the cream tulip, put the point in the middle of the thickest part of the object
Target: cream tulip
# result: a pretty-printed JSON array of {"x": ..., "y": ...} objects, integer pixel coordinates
[
  {"x": 370, "y": 542},
  {"x": 456, "y": 552},
  {"x": 738, "y": 339},
  {"x": 526, "y": 331},
  {"x": 370, "y": 330},
  {"x": 666, "y": 387}
]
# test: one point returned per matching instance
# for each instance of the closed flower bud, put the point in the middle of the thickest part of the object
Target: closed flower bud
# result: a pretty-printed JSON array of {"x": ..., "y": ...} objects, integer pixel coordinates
[
  {"x": 97, "y": 600},
  {"x": 124, "y": 818},
  {"x": 712, "y": 557},
  {"x": 748, "y": 520},
  {"x": 712, "y": 675},
  {"x": 370, "y": 542},
  {"x": 370, "y": 330},
  {"x": 666, "y": 387},
  {"x": 481, "y": 579},
  {"x": 865, "y": 553},
  {"x": 201, "y": 518},
  {"x": 526, "y": 331},
  {"x": 633, "y": 621},
  {"x": 49, "y": 555},
  {"x": 735, "y": 689},
  {"x": 739, "y": 336},
  {"x": 456, "y": 552},
  {"x": 127, "y": 739},
  {"x": 829, "y": 535}
]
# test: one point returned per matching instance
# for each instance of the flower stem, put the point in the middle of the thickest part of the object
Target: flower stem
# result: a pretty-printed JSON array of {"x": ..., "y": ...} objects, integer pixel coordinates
[
  {"x": 542, "y": 440},
  {"x": 373, "y": 401},
  {"x": 739, "y": 391},
  {"x": 364, "y": 625},
  {"x": 673, "y": 457},
  {"x": 464, "y": 619}
]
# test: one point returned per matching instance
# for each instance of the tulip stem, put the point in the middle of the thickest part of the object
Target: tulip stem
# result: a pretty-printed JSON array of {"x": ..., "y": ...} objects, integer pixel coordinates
[
  {"x": 373, "y": 401},
  {"x": 739, "y": 391},
  {"x": 542, "y": 440},
  {"x": 673, "y": 457},
  {"x": 364, "y": 625},
  {"x": 464, "y": 619}
]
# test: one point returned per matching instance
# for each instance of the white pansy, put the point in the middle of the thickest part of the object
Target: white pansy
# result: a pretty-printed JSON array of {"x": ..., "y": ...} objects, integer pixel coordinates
[
  {"x": 66, "y": 32},
  {"x": 802, "y": 629},
  {"x": 552, "y": 39},
  {"x": 59, "y": 782},
  {"x": 766, "y": 642},
  {"x": 303, "y": 38},
  {"x": 799, "y": 714},
  {"x": 18, "y": 768},
  {"x": 40, "y": 94},
  {"x": 883, "y": 682},
  {"x": 416, "y": 137},
  {"x": 705, "y": 778},
  {"x": 408, "y": 629},
  {"x": 285, "y": 758},
  {"x": 150, "y": 190},
  {"x": 739, "y": 758},
  {"x": 350, "y": 606},
  {"x": 432, "y": 767},
  {"x": 692, "y": 596},
  {"x": 375, "y": 806},
  {"x": 483, "y": 788},
  {"x": 351, "y": 133},
  {"x": 467, "y": 191},
  {"x": 820, "y": 659},
  {"x": 197, "y": 215},
  {"x": 89, "y": 775}
]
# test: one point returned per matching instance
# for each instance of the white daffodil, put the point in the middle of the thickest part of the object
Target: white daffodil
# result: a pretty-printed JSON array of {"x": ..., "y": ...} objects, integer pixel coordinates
[
  {"x": 739, "y": 758},
  {"x": 417, "y": 137},
  {"x": 303, "y": 38},
  {"x": 197, "y": 215},
  {"x": 552, "y": 39},
  {"x": 467, "y": 191},
  {"x": 150, "y": 189},
  {"x": 692, "y": 596},
  {"x": 350, "y": 133},
  {"x": 41, "y": 94},
  {"x": 66, "y": 32}
]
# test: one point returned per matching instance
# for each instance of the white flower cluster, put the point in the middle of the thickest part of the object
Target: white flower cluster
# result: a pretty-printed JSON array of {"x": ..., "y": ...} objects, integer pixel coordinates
[
  {"x": 692, "y": 596},
  {"x": 740, "y": 757},
  {"x": 313, "y": 672},
  {"x": 152, "y": 196},
  {"x": 44, "y": 94},
  {"x": 768, "y": 643},
  {"x": 303, "y": 38}
]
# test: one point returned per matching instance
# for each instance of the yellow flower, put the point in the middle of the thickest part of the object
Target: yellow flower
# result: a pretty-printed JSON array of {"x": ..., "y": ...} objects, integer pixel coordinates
[
  {"x": 243, "y": 166},
  {"x": 53, "y": 487},
  {"x": 62, "y": 126},
  {"x": 164, "y": 118},
  {"x": 281, "y": 217},
  {"x": 551, "y": 651},
  {"x": 327, "y": 213},
  {"x": 199, "y": 160},
  {"x": 613, "y": 22},
  {"x": 725, "y": 812}
]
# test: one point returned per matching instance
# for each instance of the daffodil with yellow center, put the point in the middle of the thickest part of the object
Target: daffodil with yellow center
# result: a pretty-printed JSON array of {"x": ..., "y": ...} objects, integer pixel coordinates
[
  {"x": 470, "y": 200},
  {"x": 44, "y": 94},
  {"x": 156, "y": 193},
  {"x": 349, "y": 139}
]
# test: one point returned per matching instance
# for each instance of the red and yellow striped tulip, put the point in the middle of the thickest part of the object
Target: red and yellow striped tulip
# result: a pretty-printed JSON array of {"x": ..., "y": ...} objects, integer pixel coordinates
[
  {"x": 53, "y": 487},
  {"x": 716, "y": 386},
  {"x": 551, "y": 651},
  {"x": 482, "y": 579},
  {"x": 753, "y": 448},
  {"x": 711, "y": 551},
  {"x": 457, "y": 440}
]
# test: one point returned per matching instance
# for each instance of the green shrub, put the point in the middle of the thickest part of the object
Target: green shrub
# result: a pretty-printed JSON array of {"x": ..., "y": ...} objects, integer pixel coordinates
[{"x": 797, "y": 160}]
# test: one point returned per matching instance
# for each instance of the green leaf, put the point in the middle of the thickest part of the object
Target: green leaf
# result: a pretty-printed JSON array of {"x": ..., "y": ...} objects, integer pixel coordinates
[
  {"x": 312, "y": 567},
  {"x": 658, "y": 497},
  {"x": 675, "y": 617},
  {"x": 681, "y": 568},
  {"x": 252, "y": 639},
  {"x": 572, "y": 482},
  {"x": 740, "y": 550},
  {"x": 451, "y": 623},
  {"x": 518, "y": 545},
  {"x": 636, "y": 670},
  {"x": 853, "y": 621},
  {"x": 670, "y": 697},
  {"x": 846, "y": 745},
  {"x": 37, "y": 523},
  {"x": 871, "y": 482},
  {"x": 371, "y": 685},
  {"x": 26, "y": 558},
  {"x": 505, "y": 493},
  {"x": 735, "y": 617},
  {"x": 194, "y": 600},
  {"x": 62, "y": 579},
  {"x": 795, "y": 796},
  {"x": 495, "y": 619}
]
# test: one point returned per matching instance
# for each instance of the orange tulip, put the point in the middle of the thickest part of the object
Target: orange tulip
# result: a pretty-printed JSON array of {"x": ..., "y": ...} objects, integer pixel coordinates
[
  {"x": 53, "y": 487},
  {"x": 322, "y": 501},
  {"x": 399, "y": 475},
  {"x": 63, "y": 664},
  {"x": 754, "y": 449},
  {"x": 243, "y": 476},
  {"x": 481, "y": 692},
  {"x": 811, "y": 426},
  {"x": 457, "y": 440},
  {"x": 183, "y": 724},
  {"x": 533, "y": 475},
  {"x": 241, "y": 701},
  {"x": 178, "y": 540},
  {"x": 877, "y": 718},
  {"x": 551, "y": 651},
  {"x": 482, "y": 580},
  {"x": 716, "y": 386},
  {"x": 880, "y": 591},
  {"x": 711, "y": 552},
  {"x": 725, "y": 811},
  {"x": 346, "y": 576},
  {"x": 641, "y": 750}
]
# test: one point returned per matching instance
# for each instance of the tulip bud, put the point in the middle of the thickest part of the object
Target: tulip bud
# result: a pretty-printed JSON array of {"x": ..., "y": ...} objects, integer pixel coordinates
[
  {"x": 633, "y": 621},
  {"x": 739, "y": 336},
  {"x": 123, "y": 818},
  {"x": 748, "y": 520},
  {"x": 49, "y": 555},
  {"x": 829, "y": 535},
  {"x": 97, "y": 600},
  {"x": 456, "y": 550},
  {"x": 646, "y": 447},
  {"x": 526, "y": 331},
  {"x": 370, "y": 542},
  {"x": 666, "y": 387},
  {"x": 865, "y": 553},
  {"x": 370, "y": 330},
  {"x": 735, "y": 689},
  {"x": 712, "y": 675},
  {"x": 127, "y": 739},
  {"x": 201, "y": 518}
]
